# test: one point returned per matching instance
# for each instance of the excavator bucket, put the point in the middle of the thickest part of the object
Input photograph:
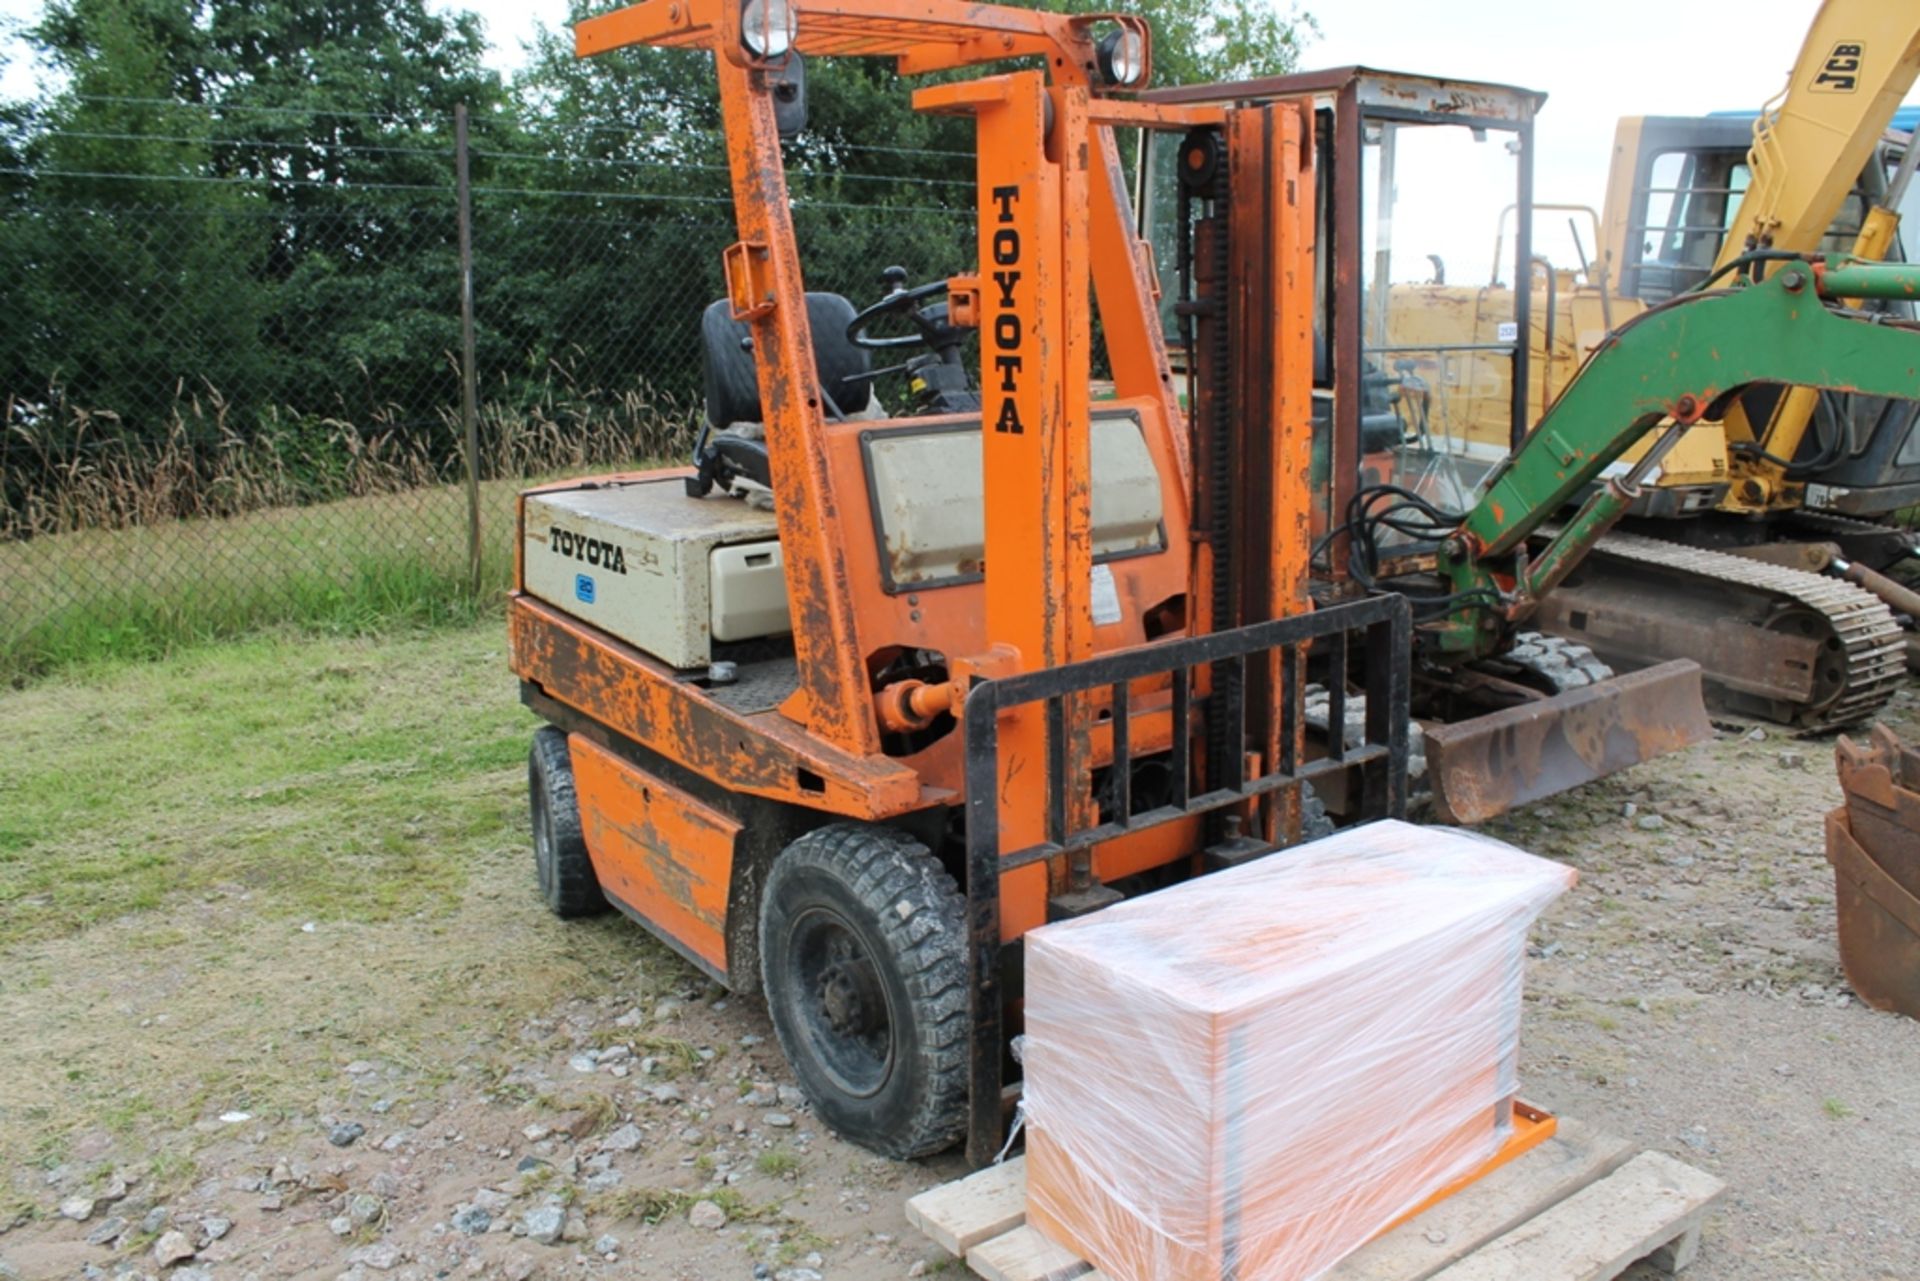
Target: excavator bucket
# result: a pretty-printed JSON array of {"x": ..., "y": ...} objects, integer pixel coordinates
[
  {"x": 1486, "y": 766},
  {"x": 1873, "y": 842}
]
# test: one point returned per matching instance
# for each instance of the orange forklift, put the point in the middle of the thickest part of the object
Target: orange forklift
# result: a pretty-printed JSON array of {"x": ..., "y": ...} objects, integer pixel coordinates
[
  {"x": 974, "y": 670},
  {"x": 844, "y": 709}
]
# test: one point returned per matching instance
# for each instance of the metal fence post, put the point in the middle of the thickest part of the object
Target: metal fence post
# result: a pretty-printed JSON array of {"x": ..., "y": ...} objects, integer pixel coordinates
[{"x": 469, "y": 408}]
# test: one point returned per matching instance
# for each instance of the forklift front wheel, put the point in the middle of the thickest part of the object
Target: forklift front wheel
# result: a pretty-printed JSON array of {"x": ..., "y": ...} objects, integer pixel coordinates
[
  {"x": 560, "y": 860},
  {"x": 863, "y": 962}
]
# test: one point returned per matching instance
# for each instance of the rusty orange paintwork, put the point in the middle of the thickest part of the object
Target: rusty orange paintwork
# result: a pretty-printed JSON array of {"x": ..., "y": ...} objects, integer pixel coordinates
[
  {"x": 1034, "y": 411},
  {"x": 757, "y": 754},
  {"x": 920, "y": 35},
  {"x": 1136, "y": 342},
  {"x": 832, "y": 700},
  {"x": 822, "y": 748},
  {"x": 1147, "y": 848},
  {"x": 1154, "y": 115},
  {"x": 662, "y": 855},
  {"x": 1283, "y": 139}
]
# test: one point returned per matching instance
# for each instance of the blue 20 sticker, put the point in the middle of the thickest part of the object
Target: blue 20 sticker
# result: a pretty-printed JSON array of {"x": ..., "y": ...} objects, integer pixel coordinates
[{"x": 583, "y": 588}]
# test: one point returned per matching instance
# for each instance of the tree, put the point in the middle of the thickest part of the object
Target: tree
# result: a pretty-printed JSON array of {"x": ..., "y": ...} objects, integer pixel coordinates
[
  {"x": 295, "y": 158},
  {"x": 874, "y": 182},
  {"x": 122, "y": 290}
]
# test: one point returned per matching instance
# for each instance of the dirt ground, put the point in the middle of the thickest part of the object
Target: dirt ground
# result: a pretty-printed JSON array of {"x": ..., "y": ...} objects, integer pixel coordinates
[{"x": 248, "y": 1082}]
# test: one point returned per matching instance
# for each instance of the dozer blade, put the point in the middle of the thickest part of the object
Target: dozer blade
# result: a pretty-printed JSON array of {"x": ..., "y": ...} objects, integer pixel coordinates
[{"x": 1484, "y": 767}]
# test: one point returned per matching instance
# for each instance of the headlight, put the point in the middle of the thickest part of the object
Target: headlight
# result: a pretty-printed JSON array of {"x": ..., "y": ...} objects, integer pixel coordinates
[
  {"x": 1123, "y": 57},
  {"x": 767, "y": 27}
]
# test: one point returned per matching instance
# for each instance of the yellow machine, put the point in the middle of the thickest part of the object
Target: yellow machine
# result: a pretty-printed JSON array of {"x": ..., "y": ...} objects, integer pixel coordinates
[
  {"x": 1693, "y": 202},
  {"x": 1815, "y": 178}
]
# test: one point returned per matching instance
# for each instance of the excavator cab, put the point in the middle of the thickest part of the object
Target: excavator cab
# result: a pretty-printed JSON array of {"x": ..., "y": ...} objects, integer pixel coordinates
[
  {"x": 1673, "y": 196},
  {"x": 1422, "y": 404},
  {"x": 1420, "y": 391},
  {"x": 1489, "y": 359}
]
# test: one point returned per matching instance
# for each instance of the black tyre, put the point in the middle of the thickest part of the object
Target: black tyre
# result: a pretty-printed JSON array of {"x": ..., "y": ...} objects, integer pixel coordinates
[
  {"x": 863, "y": 960},
  {"x": 560, "y": 860}
]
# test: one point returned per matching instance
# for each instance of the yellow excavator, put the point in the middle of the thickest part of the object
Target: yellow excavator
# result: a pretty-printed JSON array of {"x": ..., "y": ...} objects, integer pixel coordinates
[{"x": 1721, "y": 560}]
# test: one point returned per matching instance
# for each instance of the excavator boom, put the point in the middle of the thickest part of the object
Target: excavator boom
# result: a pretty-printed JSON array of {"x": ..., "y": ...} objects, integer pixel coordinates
[
  {"x": 1676, "y": 363},
  {"x": 1857, "y": 62},
  {"x": 1859, "y": 59}
]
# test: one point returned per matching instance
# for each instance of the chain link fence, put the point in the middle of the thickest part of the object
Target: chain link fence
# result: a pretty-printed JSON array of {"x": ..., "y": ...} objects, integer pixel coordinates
[{"x": 236, "y": 400}]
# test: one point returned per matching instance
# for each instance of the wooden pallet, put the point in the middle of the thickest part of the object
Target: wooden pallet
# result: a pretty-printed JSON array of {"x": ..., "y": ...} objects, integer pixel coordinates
[{"x": 1581, "y": 1207}]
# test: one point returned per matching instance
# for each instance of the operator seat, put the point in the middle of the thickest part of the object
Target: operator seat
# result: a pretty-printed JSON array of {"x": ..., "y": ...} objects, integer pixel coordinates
[
  {"x": 732, "y": 381},
  {"x": 1380, "y": 427}
]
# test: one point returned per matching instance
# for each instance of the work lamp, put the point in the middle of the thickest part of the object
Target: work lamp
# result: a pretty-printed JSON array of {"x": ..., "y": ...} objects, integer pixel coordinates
[
  {"x": 1123, "y": 57},
  {"x": 767, "y": 27}
]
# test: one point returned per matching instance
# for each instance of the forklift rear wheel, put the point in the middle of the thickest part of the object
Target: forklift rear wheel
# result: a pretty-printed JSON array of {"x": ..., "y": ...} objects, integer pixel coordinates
[
  {"x": 560, "y": 860},
  {"x": 862, "y": 959}
]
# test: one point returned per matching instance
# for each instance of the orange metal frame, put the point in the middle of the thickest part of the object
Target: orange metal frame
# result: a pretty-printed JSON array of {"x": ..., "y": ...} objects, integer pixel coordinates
[
  {"x": 1055, "y": 222},
  {"x": 1531, "y": 1128}
]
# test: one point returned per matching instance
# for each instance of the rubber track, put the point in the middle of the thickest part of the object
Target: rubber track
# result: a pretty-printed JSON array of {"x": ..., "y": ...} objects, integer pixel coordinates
[
  {"x": 1563, "y": 663},
  {"x": 1836, "y": 524},
  {"x": 1875, "y": 648}
]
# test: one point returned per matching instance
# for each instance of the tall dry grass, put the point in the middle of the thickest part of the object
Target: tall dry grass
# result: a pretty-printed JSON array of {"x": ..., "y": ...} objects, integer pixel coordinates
[
  {"x": 564, "y": 424},
  {"x": 79, "y": 469},
  {"x": 117, "y": 545}
]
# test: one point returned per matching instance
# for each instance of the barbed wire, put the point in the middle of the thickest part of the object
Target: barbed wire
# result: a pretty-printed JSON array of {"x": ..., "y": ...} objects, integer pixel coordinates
[
  {"x": 527, "y": 157},
  {"x": 805, "y": 202},
  {"x": 588, "y": 125}
]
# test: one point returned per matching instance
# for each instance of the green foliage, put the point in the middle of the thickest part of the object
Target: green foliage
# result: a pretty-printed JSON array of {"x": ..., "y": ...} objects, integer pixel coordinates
[
  {"x": 228, "y": 251},
  {"x": 319, "y": 775},
  {"x": 777, "y": 1163}
]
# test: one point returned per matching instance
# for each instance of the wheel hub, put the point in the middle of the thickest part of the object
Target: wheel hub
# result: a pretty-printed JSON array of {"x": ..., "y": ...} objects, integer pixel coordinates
[{"x": 849, "y": 998}]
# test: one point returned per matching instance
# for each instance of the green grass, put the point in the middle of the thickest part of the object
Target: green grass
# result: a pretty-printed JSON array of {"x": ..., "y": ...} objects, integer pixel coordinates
[
  {"x": 327, "y": 780},
  {"x": 776, "y": 1163},
  {"x": 166, "y": 831},
  {"x": 346, "y": 567}
]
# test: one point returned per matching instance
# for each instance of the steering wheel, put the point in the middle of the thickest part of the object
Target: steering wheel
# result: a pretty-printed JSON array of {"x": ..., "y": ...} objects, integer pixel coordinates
[{"x": 901, "y": 299}]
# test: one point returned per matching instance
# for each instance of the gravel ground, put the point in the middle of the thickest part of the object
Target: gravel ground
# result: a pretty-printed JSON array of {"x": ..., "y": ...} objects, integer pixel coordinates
[{"x": 1686, "y": 995}]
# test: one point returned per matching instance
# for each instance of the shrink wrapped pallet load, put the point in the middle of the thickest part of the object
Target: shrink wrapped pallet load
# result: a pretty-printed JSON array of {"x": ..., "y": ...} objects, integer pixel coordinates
[{"x": 1251, "y": 1074}]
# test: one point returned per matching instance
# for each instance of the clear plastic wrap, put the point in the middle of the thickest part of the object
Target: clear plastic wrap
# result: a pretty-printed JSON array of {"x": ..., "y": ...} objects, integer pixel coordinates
[{"x": 1251, "y": 1074}]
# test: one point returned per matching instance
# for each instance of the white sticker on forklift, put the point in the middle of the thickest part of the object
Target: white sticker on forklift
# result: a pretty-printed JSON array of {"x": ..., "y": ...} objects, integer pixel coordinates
[{"x": 1106, "y": 597}]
